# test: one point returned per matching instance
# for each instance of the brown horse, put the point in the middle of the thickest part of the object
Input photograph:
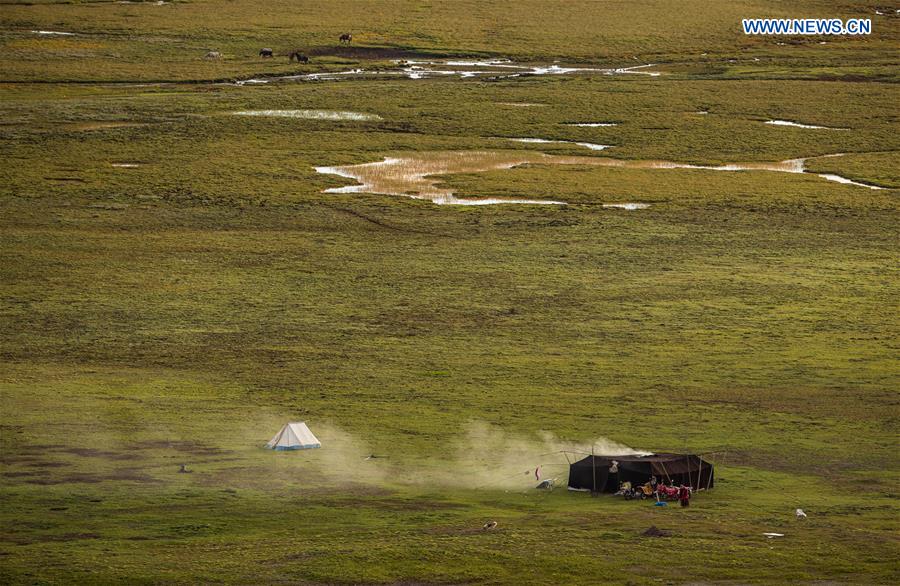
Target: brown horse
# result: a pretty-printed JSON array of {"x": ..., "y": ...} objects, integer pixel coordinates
[
  {"x": 265, "y": 52},
  {"x": 346, "y": 38},
  {"x": 301, "y": 58}
]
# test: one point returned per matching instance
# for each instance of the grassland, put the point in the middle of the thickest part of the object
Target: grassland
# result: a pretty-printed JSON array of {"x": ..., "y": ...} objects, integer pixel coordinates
[
  {"x": 144, "y": 41},
  {"x": 181, "y": 310}
]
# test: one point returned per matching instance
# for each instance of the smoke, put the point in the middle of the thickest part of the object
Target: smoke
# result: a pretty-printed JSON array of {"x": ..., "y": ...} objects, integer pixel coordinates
[
  {"x": 490, "y": 457},
  {"x": 477, "y": 456},
  {"x": 347, "y": 458},
  {"x": 343, "y": 460},
  {"x": 482, "y": 456}
]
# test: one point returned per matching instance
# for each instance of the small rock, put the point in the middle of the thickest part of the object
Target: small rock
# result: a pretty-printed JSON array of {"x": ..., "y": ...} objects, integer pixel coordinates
[{"x": 655, "y": 531}]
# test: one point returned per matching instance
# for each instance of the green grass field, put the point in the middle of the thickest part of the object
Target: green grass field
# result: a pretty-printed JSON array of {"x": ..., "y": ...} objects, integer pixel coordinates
[{"x": 181, "y": 308}]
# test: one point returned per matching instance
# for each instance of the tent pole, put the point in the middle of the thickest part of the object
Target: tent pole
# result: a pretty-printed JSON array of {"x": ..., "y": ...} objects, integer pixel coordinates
[
  {"x": 594, "y": 469},
  {"x": 699, "y": 470},
  {"x": 690, "y": 476},
  {"x": 709, "y": 478}
]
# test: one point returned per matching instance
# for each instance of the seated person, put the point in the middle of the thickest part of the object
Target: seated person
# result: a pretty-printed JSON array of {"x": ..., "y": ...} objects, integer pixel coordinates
[{"x": 667, "y": 491}]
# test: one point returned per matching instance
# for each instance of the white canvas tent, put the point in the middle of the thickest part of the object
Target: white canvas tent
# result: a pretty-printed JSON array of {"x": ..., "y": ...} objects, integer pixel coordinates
[{"x": 294, "y": 436}]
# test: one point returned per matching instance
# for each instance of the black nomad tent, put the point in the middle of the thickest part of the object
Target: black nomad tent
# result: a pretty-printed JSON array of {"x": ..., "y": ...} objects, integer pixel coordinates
[{"x": 598, "y": 474}]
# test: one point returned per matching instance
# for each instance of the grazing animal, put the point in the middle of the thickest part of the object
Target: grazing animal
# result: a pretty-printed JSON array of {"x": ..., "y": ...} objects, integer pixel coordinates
[
  {"x": 213, "y": 55},
  {"x": 346, "y": 38},
  {"x": 801, "y": 514},
  {"x": 301, "y": 58},
  {"x": 265, "y": 52},
  {"x": 490, "y": 525}
]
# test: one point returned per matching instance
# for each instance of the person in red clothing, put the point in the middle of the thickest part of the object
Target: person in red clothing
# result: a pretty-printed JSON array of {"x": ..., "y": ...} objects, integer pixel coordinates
[
  {"x": 666, "y": 492},
  {"x": 684, "y": 495}
]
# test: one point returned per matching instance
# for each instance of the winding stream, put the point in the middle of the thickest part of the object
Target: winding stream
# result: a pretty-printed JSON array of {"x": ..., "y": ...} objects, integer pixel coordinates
[{"x": 496, "y": 68}]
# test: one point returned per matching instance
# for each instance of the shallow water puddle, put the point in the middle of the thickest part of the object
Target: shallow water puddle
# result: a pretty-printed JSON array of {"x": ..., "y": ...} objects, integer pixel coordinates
[
  {"x": 627, "y": 206},
  {"x": 53, "y": 33},
  {"x": 587, "y": 145},
  {"x": 591, "y": 124},
  {"x": 125, "y": 165},
  {"x": 420, "y": 73},
  {"x": 310, "y": 114},
  {"x": 799, "y": 125},
  {"x": 844, "y": 180},
  {"x": 489, "y": 63},
  {"x": 414, "y": 175},
  {"x": 634, "y": 70}
]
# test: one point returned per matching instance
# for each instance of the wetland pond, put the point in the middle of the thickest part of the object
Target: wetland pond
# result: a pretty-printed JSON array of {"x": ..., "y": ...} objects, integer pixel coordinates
[{"x": 417, "y": 175}]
